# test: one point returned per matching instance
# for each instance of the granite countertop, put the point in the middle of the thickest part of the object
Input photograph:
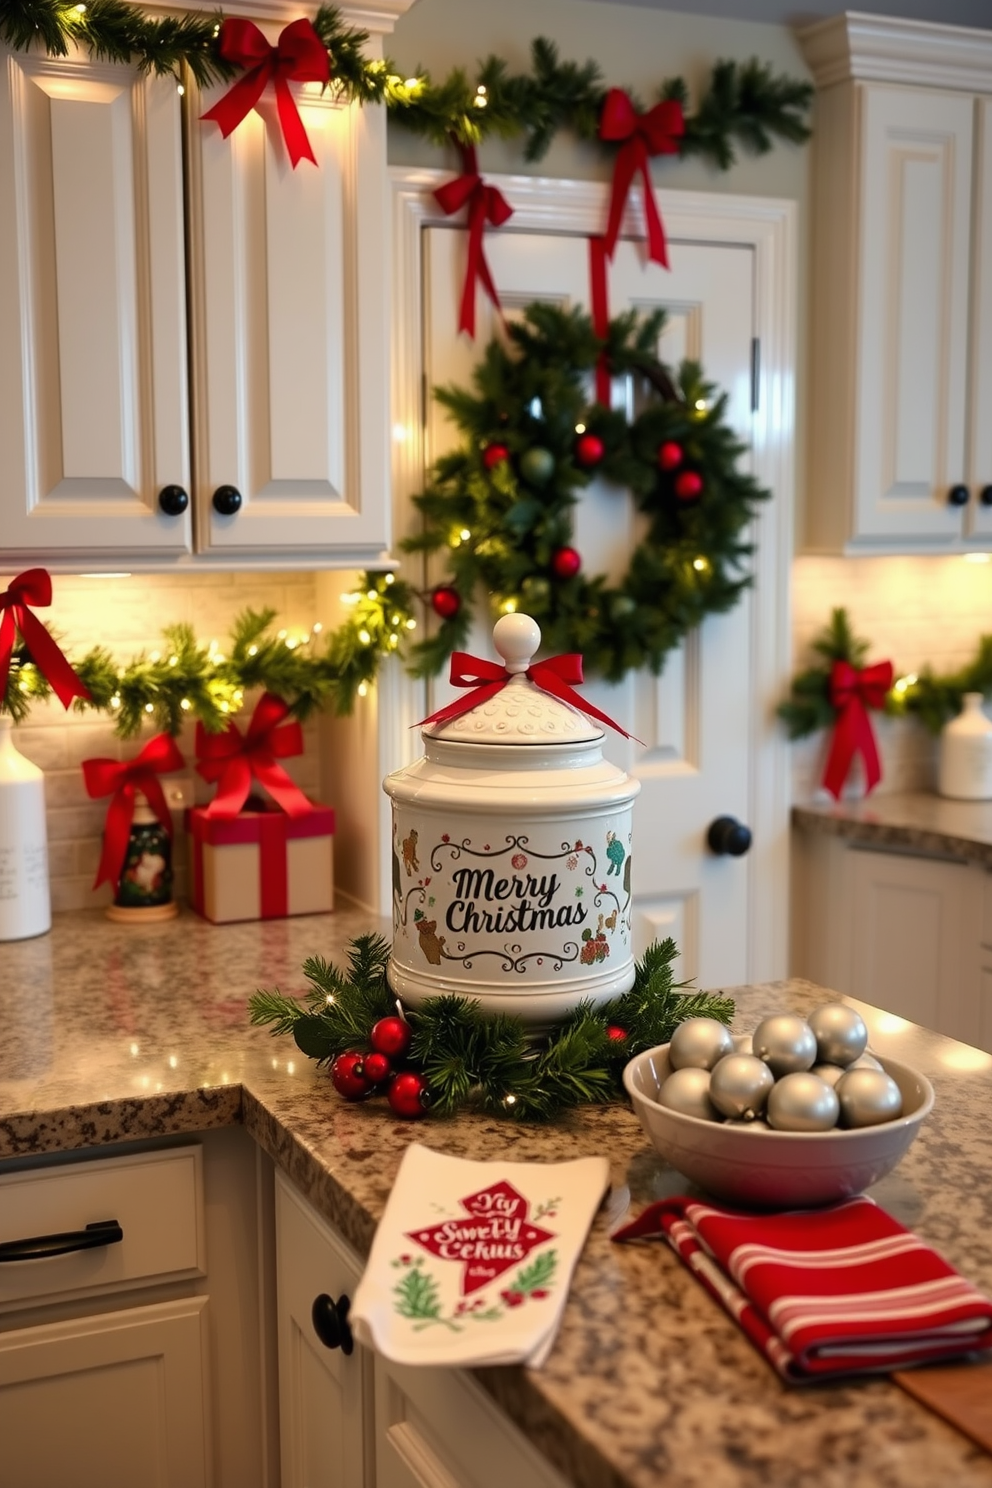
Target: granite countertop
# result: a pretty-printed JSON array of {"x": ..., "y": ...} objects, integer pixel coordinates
[
  {"x": 911, "y": 821},
  {"x": 112, "y": 1033}
]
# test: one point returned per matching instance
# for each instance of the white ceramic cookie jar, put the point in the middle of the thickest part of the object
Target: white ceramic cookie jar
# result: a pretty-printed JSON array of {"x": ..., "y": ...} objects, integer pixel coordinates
[{"x": 512, "y": 851}]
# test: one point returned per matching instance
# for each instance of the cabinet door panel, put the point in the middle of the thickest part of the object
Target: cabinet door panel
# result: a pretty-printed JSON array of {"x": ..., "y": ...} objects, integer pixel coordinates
[
  {"x": 92, "y": 299},
  {"x": 980, "y": 517}
]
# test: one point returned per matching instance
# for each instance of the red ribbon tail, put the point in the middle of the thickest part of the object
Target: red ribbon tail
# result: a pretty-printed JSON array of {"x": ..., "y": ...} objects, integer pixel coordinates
[
  {"x": 116, "y": 832},
  {"x": 852, "y": 733},
  {"x": 599, "y": 295},
  {"x": 8, "y": 632},
  {"x": 281, "y": 788},
  {"x": 239, "y": 100},
  {"x": 474, "y": 264},
  {"x": 623, "y": 173},
  {"x": 48, "y": 658},
  {"x": 554, "y": 684},
  {"x": 232, "y": 788},
  {"x": 657, "y": 247},
  {"x": 460, "y": 705},
  {"x": 293, "y": 132}
]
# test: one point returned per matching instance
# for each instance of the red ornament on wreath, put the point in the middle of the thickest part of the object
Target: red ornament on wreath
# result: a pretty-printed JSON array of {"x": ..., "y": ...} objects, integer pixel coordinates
[
  {"x": 348, "y": 1076},
  {"x": 565, "y": 563},
  {"x": 391, "y": 1036},
  {"x": 408, "y": 1096},
  {"x": 689, "y": 485},
  {"x": 445, "y": 601},
  {"x": 670, "y": 455},
  {"x": 616, "y": 1034},
  {"x": 589, "y": 450},
  {"x": 494, "y": 454}
]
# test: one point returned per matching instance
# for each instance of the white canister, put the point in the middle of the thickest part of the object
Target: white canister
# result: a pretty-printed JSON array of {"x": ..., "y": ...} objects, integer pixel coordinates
[
  {"x": 512, "y": 854},
  {"x": 25, "y": 899},
  {"x": 965, "y": 770}
]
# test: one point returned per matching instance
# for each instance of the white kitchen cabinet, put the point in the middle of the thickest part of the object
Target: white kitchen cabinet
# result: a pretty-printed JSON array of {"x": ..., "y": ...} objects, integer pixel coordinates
[
  {"x": 900, "y": 448},
  {"x": 259, "y": 436}
]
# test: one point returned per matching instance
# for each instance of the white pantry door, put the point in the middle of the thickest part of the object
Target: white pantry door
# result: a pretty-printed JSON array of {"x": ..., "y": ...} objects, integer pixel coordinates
[{"x": 694, "y": 720}]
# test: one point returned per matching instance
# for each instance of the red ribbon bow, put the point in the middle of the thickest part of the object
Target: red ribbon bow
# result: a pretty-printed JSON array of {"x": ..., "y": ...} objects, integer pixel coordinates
[
  {"x": 655, "y": 133},
  {"x": 852, "y": 693},
  {"x": 485, "y": 204},
  {"x": 233, "y": 758},
  {"x": 300, "y": 56},
  {"x": 487, "y": 678},
  {"x": 34, "y": 586},
  {"x": 160, "y": 756}
]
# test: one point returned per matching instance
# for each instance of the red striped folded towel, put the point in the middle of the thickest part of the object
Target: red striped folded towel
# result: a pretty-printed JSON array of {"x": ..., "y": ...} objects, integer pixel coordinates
[{"x": 844, "y": 1290}]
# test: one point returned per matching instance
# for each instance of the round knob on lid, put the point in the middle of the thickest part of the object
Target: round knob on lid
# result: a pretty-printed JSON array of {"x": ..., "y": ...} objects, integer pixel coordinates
[{"x": 516, "y": 638}]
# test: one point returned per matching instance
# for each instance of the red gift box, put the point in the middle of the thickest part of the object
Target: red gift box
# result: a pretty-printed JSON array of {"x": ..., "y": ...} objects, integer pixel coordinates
[{"x": 261, "y": 865}]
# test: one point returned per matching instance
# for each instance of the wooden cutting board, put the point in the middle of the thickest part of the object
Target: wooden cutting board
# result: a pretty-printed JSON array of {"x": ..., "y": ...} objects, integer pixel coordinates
[{"x": 961, "y": 1393}]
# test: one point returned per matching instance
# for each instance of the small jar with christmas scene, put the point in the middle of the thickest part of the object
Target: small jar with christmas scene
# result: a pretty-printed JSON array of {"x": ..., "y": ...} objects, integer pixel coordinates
[
  {"x": 512, "y": 853},
  {"x": 144, "y": 890}
]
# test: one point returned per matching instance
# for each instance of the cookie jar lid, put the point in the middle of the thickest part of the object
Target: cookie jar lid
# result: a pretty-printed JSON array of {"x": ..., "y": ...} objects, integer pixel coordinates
[{"x": 520, "y": 712}]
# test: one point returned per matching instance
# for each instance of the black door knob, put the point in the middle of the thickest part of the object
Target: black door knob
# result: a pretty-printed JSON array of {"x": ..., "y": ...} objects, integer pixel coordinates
[
  {"x": 330, "y": 1322},
  {"x": 173, "y": 501},
  {"x": 985, "y": 496},
  {"x": 957, "y": 496},
  {"x": 227, "y": 500},
  {"x": 727, "y": 835}
]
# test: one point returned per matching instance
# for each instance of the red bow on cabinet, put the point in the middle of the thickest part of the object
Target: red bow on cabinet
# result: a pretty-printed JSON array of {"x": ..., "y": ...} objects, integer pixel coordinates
[
  {"x": 852, "y": 693},
  {"x": 300, "y": 56},
  {"x": 655, "y": 133},
  {"x": 34, "y": 587},
  {"x": 232, "y": 759},
  {"x": 487, "y": 678},
  {"x": 160, "y": 756},
  {"x": 485, "y": 204}
]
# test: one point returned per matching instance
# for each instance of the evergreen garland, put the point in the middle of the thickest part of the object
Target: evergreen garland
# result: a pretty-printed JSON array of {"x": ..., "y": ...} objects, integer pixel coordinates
[
  {"x": 746, "y": 104},
  {"x": 502, "y": 529},
  {"x": 469, "y": 1059}
]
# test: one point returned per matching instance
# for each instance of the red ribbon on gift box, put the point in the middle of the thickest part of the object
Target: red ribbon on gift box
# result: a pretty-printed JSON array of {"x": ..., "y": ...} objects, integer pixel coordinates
[
  {"x": 487, "y": 678},
  {"x": 125, "y": 779},
  {"x": 233, "y": 759},
  {"x": 657, "y": 132},
  {"x": 485, "y": 204},
  {"x": 852, "y": 693},
  {"x": 34, "y": 587},
  {"x": 300, "y": 56}
]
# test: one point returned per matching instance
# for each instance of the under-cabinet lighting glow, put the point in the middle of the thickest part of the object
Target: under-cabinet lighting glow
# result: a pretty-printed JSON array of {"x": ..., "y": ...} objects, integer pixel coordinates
[
  {"x": 110, "y": 574},
  {"x": 965, "y": 1059},
  {"x": 889, "y": 1023},
  {"x": 977, "y": 557}
]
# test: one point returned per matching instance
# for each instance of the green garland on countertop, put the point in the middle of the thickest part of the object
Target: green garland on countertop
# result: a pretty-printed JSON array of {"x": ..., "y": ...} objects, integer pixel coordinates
[
  {"x": 745, "y": 103},
  {"x": 933, "y": 699},
  {"x": 468, "y": 1059}
]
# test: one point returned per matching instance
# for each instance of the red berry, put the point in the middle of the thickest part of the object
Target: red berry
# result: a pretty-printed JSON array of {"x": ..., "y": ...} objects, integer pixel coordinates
[
  {"x": 445, "y": 601},
  {"x": 494, "y": 454},
  {"x": 348, "y": 1076},
  {"x": 616, "y": 1034},
  {"x": 408, "y": 1096},
  {"x": 391, "y": 1036},
  {"x": 589, "y": 449},
  {"x": 688, "y": 485},
  {"x": 670, "y": 455},
  {"x": 377, "y": 1068},
  {"x": 565, "y": 563}
]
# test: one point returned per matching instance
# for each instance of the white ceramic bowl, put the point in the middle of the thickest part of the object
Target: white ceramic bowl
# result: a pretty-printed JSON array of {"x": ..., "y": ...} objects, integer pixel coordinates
[{"x": 764, "y": 1168}]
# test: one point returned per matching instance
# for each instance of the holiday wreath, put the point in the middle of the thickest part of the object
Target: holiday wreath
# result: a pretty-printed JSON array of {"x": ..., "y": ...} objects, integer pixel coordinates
[{"x": 500, "y": 505}]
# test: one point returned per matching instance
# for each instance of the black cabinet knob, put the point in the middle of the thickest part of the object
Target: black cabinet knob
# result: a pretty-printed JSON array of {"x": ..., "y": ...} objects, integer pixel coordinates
[
  {"x": 727, "y": 835},
  {"x": 330, "y": 1322},
  {"x": 173, "y": 501},
  {"x": 227, "y": 500},
  {"x": 957, "y": 496},
  {"x": 985, "y": 496}
]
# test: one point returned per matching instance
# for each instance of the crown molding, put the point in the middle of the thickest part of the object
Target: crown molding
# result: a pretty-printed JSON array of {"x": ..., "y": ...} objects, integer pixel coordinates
[{"x": 870, "y": 48}]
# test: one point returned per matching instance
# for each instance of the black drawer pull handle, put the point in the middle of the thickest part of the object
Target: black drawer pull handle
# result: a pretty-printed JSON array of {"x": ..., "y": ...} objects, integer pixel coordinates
[
  {"x": 330, "y": 1322},
  {"x": 102, "y": 1232}
]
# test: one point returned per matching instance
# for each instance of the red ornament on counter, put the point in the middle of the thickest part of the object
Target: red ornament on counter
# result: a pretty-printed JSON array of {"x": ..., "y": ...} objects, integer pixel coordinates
[
  {"x": 494, "y": 454},
  {"x": 670, "y": 455},
  {"x": 445, "y": 601},
  {"x": 565, "y": 563},
  {"x": 348, "y": 1076},
  {"x": 688, "y": 485},
  {"x": 589, "y": 450},
  {"x": 391, "y": 1036},
  {"x": 408, "y": 1096}
]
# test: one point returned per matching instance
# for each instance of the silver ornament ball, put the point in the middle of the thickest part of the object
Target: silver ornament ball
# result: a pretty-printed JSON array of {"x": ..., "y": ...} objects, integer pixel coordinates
[
  {"x": 698, "y": 1043},
  {"x": 865, "y": 1061},
  {"x": 802, "y": 1102},
  {"x": 868, "y": 1097},
  {"x": 786, "y": 1043},
  {"x": 688, "y": 1092},
  {"x": 840, "y": 1033},
  {"x": 828, "y": 1073},
  {"x": 739, "y": 1086}
]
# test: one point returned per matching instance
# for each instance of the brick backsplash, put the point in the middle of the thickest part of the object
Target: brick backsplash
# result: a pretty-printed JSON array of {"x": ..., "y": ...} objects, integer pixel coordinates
[
  {"x": 127, "y": 616},
  {"x": 913, "y": 612}
]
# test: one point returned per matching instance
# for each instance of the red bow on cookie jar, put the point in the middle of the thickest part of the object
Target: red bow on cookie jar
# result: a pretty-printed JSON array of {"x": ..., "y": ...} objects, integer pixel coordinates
[
  {"x": 485, "y": 204},
  {"x": 487, "y": 678},
  {"x": 233, "y": 760},
  {"x": 34, "y": 587},
  {"x": 656, "y": 132},
  {"x": 300, "y": 56},
  {"x": 125, "y": 779},
  {"x": 852, "y": 693}
]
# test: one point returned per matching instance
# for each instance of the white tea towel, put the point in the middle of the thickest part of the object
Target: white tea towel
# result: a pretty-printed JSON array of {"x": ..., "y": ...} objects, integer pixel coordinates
[{"x": 472, "y": 1261}]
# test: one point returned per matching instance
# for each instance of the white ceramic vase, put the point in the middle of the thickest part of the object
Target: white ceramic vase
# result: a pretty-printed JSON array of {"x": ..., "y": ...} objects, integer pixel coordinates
[
  {"x": 25, "y": 899},
  {"x": 965, "y": 771}
]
